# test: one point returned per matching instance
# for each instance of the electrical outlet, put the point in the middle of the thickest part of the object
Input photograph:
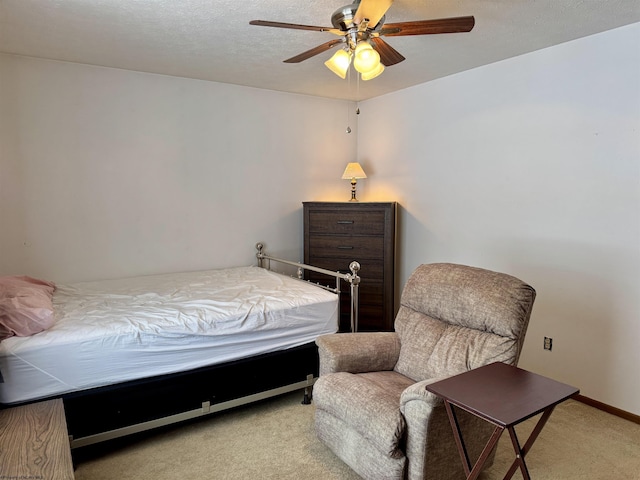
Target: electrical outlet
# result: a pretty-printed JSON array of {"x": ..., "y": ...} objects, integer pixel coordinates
[{"x": 548, "y": 343}]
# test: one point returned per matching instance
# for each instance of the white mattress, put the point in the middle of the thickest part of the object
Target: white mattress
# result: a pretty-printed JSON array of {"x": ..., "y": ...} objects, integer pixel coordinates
[{"x": 112, "y": 331}]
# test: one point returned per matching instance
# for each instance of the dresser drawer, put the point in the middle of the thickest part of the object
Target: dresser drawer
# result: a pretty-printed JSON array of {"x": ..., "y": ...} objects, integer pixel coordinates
[
  {"x": 369, "y": 269},
  {"x": 347, "y": 223},
  {"x": 370, "y": 311},
  {"x": 371, "y": 293},
  {"x": 369, "y": 317},
  {"x": 355, "y": 248}
]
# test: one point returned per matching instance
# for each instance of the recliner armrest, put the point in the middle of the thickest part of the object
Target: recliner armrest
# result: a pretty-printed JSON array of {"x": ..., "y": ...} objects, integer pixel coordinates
[
  {"x": 417, "y": 391},
  {"x": 358, "y": 352}
]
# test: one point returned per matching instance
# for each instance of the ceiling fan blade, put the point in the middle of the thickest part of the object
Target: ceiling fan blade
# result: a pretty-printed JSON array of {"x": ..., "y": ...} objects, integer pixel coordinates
[
  {"x": 429, "y": 27},
  {"x": 372, "y": 10},
  {"x": 388, "y": 55},
  {"x": 314, "y": 51},
  {"x": 296, "y": 26}
]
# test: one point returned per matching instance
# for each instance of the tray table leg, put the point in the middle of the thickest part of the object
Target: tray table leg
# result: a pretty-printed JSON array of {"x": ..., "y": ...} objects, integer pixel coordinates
[
  {"x": 471, "y": 473},
  {"x": 522, "y": 452}
]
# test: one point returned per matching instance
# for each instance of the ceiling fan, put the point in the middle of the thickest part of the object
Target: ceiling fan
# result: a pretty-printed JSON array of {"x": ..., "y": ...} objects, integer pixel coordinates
[{"x": 360, "y": 27}]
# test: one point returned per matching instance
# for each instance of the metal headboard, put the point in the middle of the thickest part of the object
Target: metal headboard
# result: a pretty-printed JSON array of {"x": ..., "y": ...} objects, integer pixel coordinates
[{"x": 352, "y": 278}]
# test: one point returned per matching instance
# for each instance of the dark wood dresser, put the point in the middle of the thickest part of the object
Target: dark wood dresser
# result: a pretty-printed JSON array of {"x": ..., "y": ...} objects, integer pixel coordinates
[{"x": 335, "y": 234}]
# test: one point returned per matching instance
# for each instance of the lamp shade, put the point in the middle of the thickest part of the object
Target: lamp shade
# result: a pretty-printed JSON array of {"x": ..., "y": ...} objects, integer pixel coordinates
[
  {"x": 366, "y": 59},
  {"x": 372, "y": 73},
  {"x": 353, "y": 170},
  {"x": 339, "y": 63}
]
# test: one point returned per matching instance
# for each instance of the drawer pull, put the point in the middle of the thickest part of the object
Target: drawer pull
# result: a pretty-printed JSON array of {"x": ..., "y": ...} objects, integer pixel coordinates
[
  {"x": 341, "y": 247},
  {"x": 345, "y": 222}
]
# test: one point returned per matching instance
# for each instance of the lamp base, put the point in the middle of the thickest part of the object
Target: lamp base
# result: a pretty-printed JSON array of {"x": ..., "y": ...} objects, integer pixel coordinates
[{"x": 353, "y": 190}]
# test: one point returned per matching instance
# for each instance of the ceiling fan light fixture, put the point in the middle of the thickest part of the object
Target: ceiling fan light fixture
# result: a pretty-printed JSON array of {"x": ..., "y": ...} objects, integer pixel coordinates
[
  {"x": 366, "y": 59},
  {"x": 339, "y": 63},
  {"x": 359, "y": 25},
  {"x": 372, "y": 73}
]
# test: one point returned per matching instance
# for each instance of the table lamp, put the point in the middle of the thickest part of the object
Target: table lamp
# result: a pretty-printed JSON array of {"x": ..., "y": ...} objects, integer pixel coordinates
[{"x": 353, "y": 172}]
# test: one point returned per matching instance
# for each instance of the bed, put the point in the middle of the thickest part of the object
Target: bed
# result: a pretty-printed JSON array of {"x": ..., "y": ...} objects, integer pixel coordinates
[{"x": 132, "y": 354}]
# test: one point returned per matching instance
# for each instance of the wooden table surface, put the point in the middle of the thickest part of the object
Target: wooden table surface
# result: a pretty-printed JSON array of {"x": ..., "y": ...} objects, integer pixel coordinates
[
  {"x": 34, "y": 442},
  {"x": 502, "y": 394}
]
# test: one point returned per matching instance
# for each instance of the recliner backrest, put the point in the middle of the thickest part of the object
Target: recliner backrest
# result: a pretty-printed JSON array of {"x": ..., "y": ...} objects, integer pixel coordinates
[{"x": 453, "y": 318}]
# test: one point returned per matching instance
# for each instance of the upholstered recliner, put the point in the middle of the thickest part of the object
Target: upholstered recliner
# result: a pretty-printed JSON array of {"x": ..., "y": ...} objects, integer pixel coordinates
[{"x": 372, "y": 408}]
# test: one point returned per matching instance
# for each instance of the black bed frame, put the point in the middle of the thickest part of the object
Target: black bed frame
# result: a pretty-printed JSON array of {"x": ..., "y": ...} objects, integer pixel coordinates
[{"x": 113, "y": 411}]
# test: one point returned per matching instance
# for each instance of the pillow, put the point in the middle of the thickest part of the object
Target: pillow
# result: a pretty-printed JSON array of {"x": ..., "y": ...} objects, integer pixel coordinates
[{"x": 26, "y": 306}]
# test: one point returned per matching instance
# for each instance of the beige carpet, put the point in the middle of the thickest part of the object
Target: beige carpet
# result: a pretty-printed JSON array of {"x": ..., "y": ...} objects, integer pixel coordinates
[{"x": 275, "y": 440}]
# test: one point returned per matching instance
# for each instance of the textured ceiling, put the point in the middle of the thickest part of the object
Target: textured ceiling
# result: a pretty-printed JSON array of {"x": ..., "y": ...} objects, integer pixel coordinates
[{"x": 212, "y": 39}]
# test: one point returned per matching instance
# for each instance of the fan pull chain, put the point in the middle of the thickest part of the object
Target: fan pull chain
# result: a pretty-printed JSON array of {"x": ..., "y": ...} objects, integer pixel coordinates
[
  {"x": 357, "y": 96},
  {"x": 349, "y": 87}
]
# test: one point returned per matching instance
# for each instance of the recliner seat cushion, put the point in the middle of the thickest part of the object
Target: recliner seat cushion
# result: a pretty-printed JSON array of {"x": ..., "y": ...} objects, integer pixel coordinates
[{"x": 368, "y": 403}]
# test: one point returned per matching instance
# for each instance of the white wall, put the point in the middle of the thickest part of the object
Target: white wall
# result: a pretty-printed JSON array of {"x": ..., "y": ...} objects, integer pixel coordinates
[
  {"x": 530, "y": 166},
  {"x": 107, "y": 173}
]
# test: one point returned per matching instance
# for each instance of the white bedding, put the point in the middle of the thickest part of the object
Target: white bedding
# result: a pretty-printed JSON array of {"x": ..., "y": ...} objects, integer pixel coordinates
[{"x": 116, "y": 330}]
